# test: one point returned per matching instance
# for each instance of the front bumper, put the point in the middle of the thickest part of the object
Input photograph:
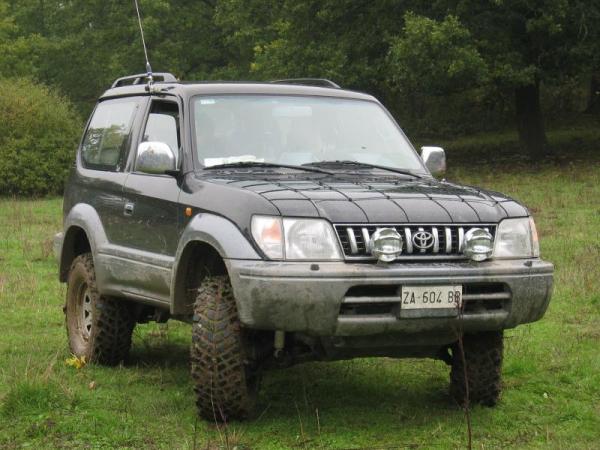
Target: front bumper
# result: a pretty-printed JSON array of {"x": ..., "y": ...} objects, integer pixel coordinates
[{"x": 310, "y": 298}]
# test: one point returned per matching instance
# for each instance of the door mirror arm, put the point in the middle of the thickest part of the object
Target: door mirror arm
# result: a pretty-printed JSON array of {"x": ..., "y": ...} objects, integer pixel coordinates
[{"x": 175, "y": 173}]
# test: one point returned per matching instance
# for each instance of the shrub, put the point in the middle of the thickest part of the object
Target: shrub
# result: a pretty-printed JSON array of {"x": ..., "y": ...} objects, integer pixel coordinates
[{"x": 39, "y": 131}]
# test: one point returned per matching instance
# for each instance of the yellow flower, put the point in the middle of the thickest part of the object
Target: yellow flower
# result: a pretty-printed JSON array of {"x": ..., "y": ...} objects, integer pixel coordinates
[{"x": 76, "y": 361}]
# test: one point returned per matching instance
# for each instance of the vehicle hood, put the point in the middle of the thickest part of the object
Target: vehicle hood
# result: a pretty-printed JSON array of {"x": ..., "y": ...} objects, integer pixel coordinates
[
  {"x": 352, "y": 198},
  {"x": 356, "y": 199}
]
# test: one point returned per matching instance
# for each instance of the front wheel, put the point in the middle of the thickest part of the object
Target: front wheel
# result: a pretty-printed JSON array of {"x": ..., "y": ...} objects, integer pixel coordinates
[
  {"x": 225, "y": 381},
  {"x": 99, "y": 328},
  {"x": 482, "y": 367}
]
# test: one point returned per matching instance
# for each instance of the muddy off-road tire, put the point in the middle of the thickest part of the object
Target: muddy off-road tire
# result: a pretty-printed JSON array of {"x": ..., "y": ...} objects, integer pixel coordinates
[
  {"x": 483, "y": 358},
  {"x": 225, "y": 382},
  {"x": 98, "y": 327}
]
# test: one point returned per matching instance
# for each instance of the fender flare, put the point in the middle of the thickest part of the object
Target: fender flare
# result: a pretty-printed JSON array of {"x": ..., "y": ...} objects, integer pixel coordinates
[
  {"x": 218, "y": 232},
  {"x": 85, "y": 217}
]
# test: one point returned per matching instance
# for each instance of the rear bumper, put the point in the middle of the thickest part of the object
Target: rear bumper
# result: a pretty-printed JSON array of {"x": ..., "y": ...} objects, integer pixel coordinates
[{"x": 312, "y": 298}]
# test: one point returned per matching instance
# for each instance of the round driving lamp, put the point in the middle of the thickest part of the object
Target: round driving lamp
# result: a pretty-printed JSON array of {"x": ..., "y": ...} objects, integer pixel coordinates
[
  {"x": 479, "y": 244},
  {"x": 386, "y": 244}
]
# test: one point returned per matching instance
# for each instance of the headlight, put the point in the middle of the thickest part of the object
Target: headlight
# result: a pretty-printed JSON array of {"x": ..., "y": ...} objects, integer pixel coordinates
[
  {"x": 310, "y": 239},
  {"x": 517, "y": 238},
  {"x": 295, "y": 239}
]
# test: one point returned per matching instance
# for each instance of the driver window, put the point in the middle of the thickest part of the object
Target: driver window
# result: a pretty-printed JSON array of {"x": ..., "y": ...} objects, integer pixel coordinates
[{"x": 163, "y": 126}]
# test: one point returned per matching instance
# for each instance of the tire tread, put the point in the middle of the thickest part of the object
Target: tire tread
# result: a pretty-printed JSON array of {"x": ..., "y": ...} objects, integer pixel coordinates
[
  {"x": 219, "y": 368},
  {"x": 113, "y": 321},
  {"x": 483, "y": 357}
]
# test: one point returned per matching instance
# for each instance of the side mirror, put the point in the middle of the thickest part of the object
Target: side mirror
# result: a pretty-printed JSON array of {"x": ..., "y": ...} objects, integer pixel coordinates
[
  {"x": 155, "y": 157},
  {"x": 434, "y": 159}
]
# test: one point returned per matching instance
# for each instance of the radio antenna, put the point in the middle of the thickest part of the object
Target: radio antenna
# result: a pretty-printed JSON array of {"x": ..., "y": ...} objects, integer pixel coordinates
[{"x": 148, "y": 68}]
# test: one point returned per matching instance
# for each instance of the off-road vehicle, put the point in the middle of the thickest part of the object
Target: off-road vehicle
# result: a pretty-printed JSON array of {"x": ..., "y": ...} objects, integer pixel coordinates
[{"x": 286, "y": 221}]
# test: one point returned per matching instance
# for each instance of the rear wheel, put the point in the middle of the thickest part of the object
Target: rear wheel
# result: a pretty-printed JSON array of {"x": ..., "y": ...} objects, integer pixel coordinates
[
  {"x": 99, "y": 328},
  {"x": 225, "y": 381},
  {"x": 482, "y": 366}
]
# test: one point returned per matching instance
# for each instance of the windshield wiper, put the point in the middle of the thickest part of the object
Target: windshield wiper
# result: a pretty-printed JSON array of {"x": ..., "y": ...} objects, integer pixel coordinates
[
  {"x": 356, "y": 163},
  {"x": 265, "y": 164}
]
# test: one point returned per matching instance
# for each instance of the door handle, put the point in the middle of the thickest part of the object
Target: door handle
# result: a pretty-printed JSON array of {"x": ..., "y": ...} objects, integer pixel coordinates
[{"x": 128, "y": 210}]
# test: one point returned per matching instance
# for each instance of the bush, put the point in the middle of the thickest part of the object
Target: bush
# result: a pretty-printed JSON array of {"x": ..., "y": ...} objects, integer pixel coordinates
[{"x": 39, "y": 131}]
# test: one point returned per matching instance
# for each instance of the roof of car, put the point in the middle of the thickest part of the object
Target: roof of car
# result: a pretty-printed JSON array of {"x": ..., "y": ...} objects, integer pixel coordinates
[{"x": 188, "y": 89}]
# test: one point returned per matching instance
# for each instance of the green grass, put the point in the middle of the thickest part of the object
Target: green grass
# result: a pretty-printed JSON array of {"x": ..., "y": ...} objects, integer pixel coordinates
[{"x": 551, "y": 372}]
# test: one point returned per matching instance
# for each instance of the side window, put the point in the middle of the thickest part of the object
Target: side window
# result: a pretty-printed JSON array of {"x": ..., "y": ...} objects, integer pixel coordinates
[
  {"x": 163, "y": 126},
  {"x": 108, "y": 134}
]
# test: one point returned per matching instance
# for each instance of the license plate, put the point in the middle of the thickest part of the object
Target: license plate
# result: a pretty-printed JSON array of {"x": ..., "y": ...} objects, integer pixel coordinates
[{"x": 431, "y": 297}]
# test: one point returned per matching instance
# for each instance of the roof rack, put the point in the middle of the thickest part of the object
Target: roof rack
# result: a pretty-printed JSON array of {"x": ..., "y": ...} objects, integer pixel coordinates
[
  {"x": 143, "y": 77},
  {"x": 322, "y": 82}
]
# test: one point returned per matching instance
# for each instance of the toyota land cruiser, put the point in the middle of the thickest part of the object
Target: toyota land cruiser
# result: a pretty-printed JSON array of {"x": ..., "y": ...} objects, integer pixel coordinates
[{"x": 286, "y": 221}]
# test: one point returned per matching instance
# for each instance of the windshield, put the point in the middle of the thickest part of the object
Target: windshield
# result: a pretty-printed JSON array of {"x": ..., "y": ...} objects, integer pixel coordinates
[{"x": 297, "y": 130}]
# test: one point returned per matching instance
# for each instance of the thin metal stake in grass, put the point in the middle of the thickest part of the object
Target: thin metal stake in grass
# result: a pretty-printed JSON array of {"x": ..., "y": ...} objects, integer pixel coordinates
[
  {"x": 195, "y": 430},
  {"x": 467, "y": 403},
  {"x": 301, "y": 425},
  {"x": 319, "y": 428}
]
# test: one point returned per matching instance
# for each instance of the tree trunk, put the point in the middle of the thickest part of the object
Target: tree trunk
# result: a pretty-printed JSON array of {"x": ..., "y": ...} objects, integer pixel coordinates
[
  {"x": 530, "y": 123},
  {"x": 593, "y": 106}
]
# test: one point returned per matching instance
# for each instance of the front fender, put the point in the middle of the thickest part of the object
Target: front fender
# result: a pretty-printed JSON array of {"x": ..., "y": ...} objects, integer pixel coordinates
[{"x": 219, "y": 233}]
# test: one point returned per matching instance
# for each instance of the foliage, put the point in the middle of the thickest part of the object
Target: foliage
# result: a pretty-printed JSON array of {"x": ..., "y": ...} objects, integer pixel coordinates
[
  {"x": 342, "y": 40},
  {"x": 38, "y": 135},
  {"x": 438, "y": 58},
  {"x": 81, "y": 47},
  {"x": 524, "y": 40},
  {"x": 444, "y": 68},
  {"x": 454, "y": 62}
]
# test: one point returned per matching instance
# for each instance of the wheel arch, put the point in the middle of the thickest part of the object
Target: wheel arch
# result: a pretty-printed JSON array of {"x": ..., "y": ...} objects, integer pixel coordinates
[
  {"x": 206, "y": 244},
  {"x": 83, "y": 233},
  {"x": 198, "y": 260},
  {"x": 75, "y": 243}
]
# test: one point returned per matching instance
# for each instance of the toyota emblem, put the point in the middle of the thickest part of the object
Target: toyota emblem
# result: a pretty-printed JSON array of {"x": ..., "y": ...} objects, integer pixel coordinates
[{"x": 422, "y": 240}]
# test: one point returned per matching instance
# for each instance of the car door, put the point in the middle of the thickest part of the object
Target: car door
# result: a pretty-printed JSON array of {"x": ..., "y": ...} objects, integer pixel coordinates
[
  {"x": 100, "y": 177},
  {"x": 152, "y": 216}
]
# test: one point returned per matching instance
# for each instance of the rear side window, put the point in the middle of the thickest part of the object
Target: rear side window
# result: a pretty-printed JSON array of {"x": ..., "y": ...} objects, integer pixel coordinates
[{"x": 107, "y": 136}]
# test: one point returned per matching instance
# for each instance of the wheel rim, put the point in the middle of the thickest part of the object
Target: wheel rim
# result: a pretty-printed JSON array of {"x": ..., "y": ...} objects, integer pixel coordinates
[{"x": 85, "y": 312}]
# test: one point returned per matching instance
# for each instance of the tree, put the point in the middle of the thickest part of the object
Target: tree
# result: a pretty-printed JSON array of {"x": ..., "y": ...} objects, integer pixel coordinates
[
  {"x": 19, "y": 52},
  {"x": 526, "y": 43},
  {"x": 345, "y": 40},
  {"x": 81, "y": 47},
  {"x": 508, "y": 44},
  {"x": 444, "y": 47},
  {"x": 436, "y": 58},
  {"x": 448, "y": 50},
  {"x": 593, "y": 104}
]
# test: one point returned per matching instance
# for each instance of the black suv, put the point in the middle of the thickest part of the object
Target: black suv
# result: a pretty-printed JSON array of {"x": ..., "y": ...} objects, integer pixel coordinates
[{"x": 286, "y": 221}]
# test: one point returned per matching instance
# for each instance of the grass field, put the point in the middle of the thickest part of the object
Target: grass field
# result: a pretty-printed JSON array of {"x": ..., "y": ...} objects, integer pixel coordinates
[{"x": 551, "y": 372}]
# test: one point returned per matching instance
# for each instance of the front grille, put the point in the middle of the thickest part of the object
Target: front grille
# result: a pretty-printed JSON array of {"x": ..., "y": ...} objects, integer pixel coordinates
[{"x": 447, "y": 243}]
